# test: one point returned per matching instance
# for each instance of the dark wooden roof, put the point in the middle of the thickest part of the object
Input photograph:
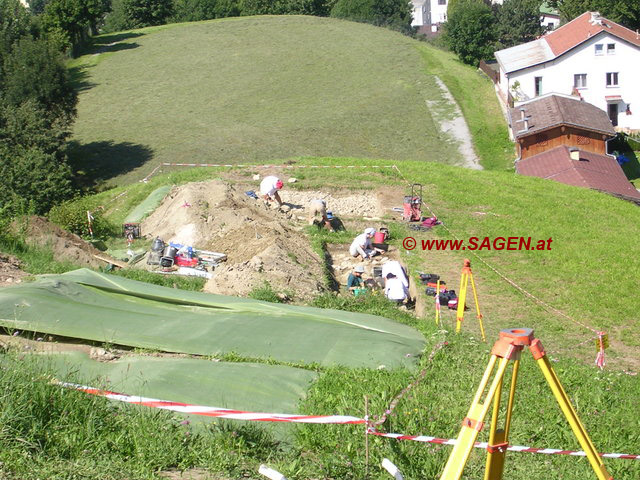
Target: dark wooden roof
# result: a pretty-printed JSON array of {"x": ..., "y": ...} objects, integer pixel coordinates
[
  {"x": 551, "y": 111},
  {"x": 599, "y": 172}
]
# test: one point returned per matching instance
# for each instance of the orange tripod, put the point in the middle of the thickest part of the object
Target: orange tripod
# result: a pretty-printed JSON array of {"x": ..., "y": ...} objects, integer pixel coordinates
[
  {"x": 467, "y": 275},
  {"x": 506, "y": 349}
]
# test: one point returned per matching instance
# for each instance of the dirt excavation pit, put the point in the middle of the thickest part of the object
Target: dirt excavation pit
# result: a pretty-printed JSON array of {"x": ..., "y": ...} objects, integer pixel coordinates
[
  {"x": 364, "y": 204},
  {"x": 262, "y": 244},
  {"x": 342, "y": 264}
]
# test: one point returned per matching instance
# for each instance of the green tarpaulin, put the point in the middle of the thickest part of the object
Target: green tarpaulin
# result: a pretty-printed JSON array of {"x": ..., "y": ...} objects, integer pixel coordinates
[
  {"x": 104, "y": 308},
  {"x": 241, "y": 386},
  {"x": 148, "y": 205}
]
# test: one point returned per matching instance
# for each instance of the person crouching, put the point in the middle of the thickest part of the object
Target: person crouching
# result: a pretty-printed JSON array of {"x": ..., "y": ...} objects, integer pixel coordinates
[
  {"x": 395, "y": 290},
  {"x": 362, "y": 245},
  {"x": 318, "y": 214},
  {"x": 355, "y": 282}
]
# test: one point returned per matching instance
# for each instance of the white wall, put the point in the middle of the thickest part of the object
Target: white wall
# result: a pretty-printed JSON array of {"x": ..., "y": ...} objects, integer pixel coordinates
[
  {"x": 418, "y": 13},
  {"x": 436, "y": 11},
  {"x": 558, "y": 77},
  {"x": 549, "y": 21}
]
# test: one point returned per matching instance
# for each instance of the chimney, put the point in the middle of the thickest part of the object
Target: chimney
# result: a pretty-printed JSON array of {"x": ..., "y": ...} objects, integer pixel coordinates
[
  {"x": 521, "y": 113},
  {"x": 574, "y": 153},
  {"x": 526, "y": 123},
  {"x": 596, "y": 19}
]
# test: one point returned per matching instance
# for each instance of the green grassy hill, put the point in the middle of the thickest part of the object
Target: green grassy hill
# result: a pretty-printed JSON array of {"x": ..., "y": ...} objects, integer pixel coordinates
[{"x": 263, "y": 88}]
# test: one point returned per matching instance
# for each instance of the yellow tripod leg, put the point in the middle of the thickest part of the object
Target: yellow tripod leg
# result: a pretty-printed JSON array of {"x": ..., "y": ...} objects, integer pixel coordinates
[
  {"x": 473, "y": 422},
  {"x": 475, "y": 297},
  {"x": 499, "y": 438},
  {"x": 464, "y": 279},
  {"x": 571, "y": 415}
]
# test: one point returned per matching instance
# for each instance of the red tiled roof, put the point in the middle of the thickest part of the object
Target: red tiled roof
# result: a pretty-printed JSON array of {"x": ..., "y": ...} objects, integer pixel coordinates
[
  {"x": 580, "y": 29},
  {"x": 599, "y": 172}
]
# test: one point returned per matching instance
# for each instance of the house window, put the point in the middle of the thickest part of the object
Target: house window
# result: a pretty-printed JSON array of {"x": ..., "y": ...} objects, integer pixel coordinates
[
  {"x": 612, "y": 79},
  {"x": 599, "y": 48},
  {"x": 580, "y": 80},
  {"x": 611, "y": 48},
  {"x": 583, "y": 140},
  {"x": 538, "y": 86},
  {"x": 442, "y": 2}
]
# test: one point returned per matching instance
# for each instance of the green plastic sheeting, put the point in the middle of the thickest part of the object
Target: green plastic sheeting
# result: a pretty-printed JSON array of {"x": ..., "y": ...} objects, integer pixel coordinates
[
  {"x": 242, "y": 386},
  {"x": 148, "y": 205},
  {"x": 105, "y": 308}
]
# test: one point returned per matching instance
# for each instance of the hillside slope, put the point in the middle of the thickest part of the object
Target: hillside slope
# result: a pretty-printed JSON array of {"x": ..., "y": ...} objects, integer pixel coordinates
[{"x": 256, "y": 89}]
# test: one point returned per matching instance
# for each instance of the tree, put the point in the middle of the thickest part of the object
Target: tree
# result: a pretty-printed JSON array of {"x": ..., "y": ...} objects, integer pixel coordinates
[
  {"x": 37, "y": 108},
  {"x": 470, "y": 31},
  {"x": 74, "y": 19},
  {"x": 144, "y": 13},
  {"x": 34, "y": 71},
  {"x": 395, "y": 14},
  {"x": 625, "y": 12},
  {"x": 518, "y": 21}
]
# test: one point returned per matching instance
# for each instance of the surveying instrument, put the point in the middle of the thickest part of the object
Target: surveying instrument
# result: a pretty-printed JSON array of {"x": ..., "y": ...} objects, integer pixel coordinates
[
  {"x": 467, "y": 275},
  {"x": 507, "y": 348}
]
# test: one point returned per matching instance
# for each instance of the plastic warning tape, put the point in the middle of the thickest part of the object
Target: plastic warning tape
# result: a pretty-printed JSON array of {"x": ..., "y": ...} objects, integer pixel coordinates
[
  {"x": 225, "y": 165},
  {"x": 215, "y": 411},
  {"x": 322, "y": 419},
  {"x": 513, "y": 448}
]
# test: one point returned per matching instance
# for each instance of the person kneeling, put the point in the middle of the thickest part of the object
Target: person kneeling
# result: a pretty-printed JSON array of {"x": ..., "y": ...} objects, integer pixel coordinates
[{"x": 395, "y": 290}]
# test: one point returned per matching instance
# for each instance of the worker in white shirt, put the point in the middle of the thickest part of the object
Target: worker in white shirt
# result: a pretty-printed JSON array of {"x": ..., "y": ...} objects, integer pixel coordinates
[
  {"x": 362, "y": 246},
  {"x": 393, "y": 266},
  {"x": 394, "y": 289},
  {"x": 269, "y": 187}
]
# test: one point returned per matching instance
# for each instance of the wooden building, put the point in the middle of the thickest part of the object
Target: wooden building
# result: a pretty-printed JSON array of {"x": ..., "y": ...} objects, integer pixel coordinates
[{"x": 555, "y": 120}]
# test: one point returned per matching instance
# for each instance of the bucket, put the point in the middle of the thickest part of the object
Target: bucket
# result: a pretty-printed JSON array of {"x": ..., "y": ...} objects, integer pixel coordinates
[
  {"x": 359, "y": 291},
  {"x": 169, "y": 251},
  {"x": 157, "y": 245},
  {"x": 379, "y": 237}
]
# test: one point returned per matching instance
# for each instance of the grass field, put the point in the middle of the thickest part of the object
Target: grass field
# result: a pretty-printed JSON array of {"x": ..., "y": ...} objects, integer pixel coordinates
[
  {"x": 574, "y": 276},
  {"x": 263, "y": 88}
]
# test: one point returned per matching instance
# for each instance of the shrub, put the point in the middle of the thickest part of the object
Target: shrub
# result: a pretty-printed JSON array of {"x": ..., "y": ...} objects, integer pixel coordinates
[
  {"x": 72, "y": 216},
  {"x": 266, "y": 293}
]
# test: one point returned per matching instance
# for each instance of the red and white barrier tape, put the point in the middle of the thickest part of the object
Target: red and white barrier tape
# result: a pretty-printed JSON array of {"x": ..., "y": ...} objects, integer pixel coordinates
[
  {"x": 228, "y": 165},
  {"x": 216, "y": 411},
  {"x": 512, "y": 448},
  {"x": 318, "y": 419}
]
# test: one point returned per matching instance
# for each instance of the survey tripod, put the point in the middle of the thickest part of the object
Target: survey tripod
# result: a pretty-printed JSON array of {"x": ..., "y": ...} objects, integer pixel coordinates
[
  {"x": 467, "y": 275},
  {"x": 506, "y": 349}
]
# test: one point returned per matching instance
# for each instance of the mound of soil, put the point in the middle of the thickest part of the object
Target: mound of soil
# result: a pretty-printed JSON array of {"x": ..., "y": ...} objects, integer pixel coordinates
[
  {"x": 261, "y": 243},
  {"x": 10, "y": 270},
  {"x": 65, "y": 245}
]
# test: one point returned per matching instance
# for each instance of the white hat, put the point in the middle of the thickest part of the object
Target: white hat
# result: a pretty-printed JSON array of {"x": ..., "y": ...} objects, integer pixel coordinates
[
  {"x": 370, "y": 231},
  {"x": 359, "y": 268}
]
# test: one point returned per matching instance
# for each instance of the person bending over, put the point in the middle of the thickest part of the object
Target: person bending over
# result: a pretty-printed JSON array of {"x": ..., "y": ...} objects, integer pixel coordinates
[{"x": 269, "y": 187}]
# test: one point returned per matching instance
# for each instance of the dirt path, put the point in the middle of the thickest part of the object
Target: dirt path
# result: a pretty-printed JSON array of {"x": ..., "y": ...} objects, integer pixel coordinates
[{"x": 453, "y": 124}]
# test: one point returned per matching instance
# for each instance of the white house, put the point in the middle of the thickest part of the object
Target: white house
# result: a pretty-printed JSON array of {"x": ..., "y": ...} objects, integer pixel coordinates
[
  {"x": 418, "y": 13},
  {"x": 430, "y": 13},
  {"x": 590, "y": 57},
  {"x": 549, "y": 17}
]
